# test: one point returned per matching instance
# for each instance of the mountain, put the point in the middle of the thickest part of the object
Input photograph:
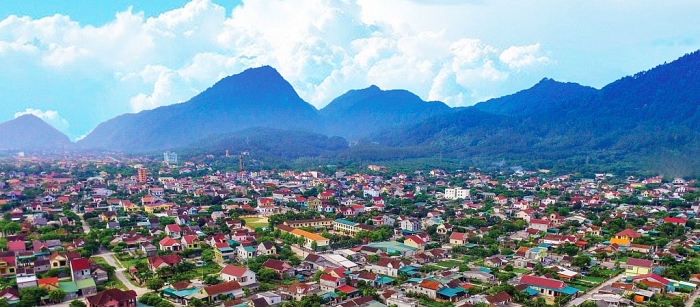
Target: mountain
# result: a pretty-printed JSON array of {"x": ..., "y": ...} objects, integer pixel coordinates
[
  {"x": 546, "y": 96},
  {"x": 648, "y": 121},
  {"x": 257, "y": 97},
  {"x": 29, "y": 132},
  {"x": 359, "y": 113}
]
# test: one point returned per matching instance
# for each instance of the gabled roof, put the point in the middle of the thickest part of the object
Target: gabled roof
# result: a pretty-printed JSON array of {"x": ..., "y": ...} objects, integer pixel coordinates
[
  {"x": 629, "y": 233},
  {"x": 234, "y": 270},
  {"x": 457, "y": 236},
  {"x": 80, "y": 264},
  {"x": 639, "y": 262},
  {"x": 542, "y": 282},
  {"x": 102, "y": 298},
  {"x": 222, "y": 288}
]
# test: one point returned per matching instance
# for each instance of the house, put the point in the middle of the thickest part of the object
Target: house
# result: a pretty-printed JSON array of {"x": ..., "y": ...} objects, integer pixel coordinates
[
  {"x": 625, "y": 237},
  {"x": 244, "y": 253},
  {"x": 80, "y": 269},
  {"x": 415, "y": 241},
  {"x": 165, "y": 261},
  {"x": 190, "y": 242},
  {"x": 549, "y": 288},
  {"x": 170, "y": 244},
  {"x": 26, "y": 281},
  {"x": 387, "y": 266},
  {"x": 540, "y": 225},
  {"x": 11, "y": 295},
  {"x": 282, "y": 269},
  {"x": 230, "y": 289},
  {"x": 173, "y": 231},
  {"x": 297, "y": 290},
  {"x": 86, "y": 286},
  {"x": 112, "y": 298},
  {"x": 223, "y": 252},
  {"x": 266, "y": 248},
  {"x": 243, "y": 276},
  {"x": 58, "y": 260},
  {"x": 330, "y": 283},
  {"x": 458, "y": 238},
  {"x": 634, "y": 266},
  {"x": 500, "y": 299},
  {"x": 8, "y": 265},
  {"x": 428, "y": 287}
]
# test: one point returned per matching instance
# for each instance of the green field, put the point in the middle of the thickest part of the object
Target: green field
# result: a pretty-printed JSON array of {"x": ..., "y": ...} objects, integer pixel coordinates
[
  {"x": 596, "y": 280},
  {"x": 256, "y": 222},
  {"x": 448, "y": 263}
]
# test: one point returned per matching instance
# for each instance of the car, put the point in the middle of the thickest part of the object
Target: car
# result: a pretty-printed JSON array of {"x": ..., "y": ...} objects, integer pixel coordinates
[{"x": 199, "y": 263}]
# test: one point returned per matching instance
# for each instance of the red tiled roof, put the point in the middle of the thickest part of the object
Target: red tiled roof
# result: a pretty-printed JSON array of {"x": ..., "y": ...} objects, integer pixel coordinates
[
  {"x": 675, "y": 220},
  {"x": 457, "y": 236},
  {"x": 536, "y": 221},
  {"x": 542, "y": 282},
  {"x": 102, "y": 298},
  {"x": 430, "y": 284},
  {"x": 639, "y": 262},
  {"x": 629, "y": 233},
  {"x": 234, "y": 270},
  {"x": 222, "y": 288},
  {"x": 346, "y": 289},
  {"x": 47, "y": 281},
  {"x": 80, "y": 264}
]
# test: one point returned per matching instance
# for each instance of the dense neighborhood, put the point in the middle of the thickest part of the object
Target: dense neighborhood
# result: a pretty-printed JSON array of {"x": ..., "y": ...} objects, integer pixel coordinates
[{"x": 122, "y": 232}]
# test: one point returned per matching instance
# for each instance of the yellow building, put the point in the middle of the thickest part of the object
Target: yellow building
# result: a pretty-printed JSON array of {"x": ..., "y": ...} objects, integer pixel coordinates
[
  {"x": 8, "y": 266},
  {"x": 327, "y": 223},
  {"x": 158, "y": 207},
  {"x": 625, "y": 237},
  {"x": 310, "y": 238},
  {"x": 634, "y": 266},
  {"x": 58, "y": 261},
  {"x": 314, "y": 203}
]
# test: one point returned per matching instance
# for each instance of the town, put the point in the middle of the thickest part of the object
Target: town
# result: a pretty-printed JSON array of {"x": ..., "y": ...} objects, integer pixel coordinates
[{"x": 123, "y": 232}]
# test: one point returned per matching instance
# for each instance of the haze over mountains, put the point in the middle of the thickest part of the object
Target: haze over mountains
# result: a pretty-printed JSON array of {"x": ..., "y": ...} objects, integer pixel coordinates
[{"x": 650, "y": 114}]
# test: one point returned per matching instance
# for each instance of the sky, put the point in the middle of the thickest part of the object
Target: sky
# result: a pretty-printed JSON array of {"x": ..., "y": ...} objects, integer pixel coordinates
[{"x": 77, "y": 63}]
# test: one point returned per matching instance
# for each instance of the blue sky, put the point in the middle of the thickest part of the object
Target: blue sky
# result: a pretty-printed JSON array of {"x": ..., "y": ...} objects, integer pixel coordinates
[{"x": 79, "y": 63}]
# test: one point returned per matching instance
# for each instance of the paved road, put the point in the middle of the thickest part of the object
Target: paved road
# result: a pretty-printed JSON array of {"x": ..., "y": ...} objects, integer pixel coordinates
[
  {"x": 590, "y": 292},
  {"x": 692, "y": 298},
  {"x": 119, "y": 271},
  {"x": 86, "y": 226}
]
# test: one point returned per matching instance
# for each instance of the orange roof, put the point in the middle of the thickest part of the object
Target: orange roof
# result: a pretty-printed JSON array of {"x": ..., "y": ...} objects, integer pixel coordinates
[
  {"x": 430, "y": 284},
  {"x": 47, "y": 281},
  {"x": 308, "y": 235}
]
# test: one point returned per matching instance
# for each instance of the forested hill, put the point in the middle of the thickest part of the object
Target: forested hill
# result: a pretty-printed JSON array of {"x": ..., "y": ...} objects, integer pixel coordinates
[{"x": 649, "y": 120}]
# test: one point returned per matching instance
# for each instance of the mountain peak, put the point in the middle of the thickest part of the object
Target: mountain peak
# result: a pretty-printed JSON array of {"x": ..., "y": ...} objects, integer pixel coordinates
[{"x": 29, "y": 132}]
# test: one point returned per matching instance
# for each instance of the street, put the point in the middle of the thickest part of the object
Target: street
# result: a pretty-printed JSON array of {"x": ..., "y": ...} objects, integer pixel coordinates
[{"x": 590, "y": 293}]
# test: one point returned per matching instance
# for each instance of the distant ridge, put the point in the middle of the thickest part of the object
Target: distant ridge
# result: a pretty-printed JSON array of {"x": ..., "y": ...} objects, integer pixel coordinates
[{"x": 29, "y": 132}]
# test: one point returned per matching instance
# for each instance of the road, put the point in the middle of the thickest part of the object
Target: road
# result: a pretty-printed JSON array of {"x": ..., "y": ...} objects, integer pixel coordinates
[
  {"x": 86, "y": 226},
  {"x": 590, "y": 292},
  {"x": 692, "y": 298},
  {"x": 119, "y": 271}
]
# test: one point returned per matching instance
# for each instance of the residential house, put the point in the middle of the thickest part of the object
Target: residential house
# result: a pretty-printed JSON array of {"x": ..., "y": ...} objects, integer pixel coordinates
[
  {"x": 112, "y": 298},
  {"x": 243, "y": 276},
  {"x": 634, "y": 266},
  {"x": 170, "y": 244},
  {"x": 625, "y": 237},
  {"x": 387, "y": 266},
  {"x": 266, "y": 248},
  {"x": 549, "y": 288},
  {"x": 458, "y": 238},
  {"x": 244, "y": 253},
  {"x": 80, "y": 269},
  {"x": 282, "y": 269},
  {"x": 230, "y": 289},
  {"x": 165, "y": 261}
]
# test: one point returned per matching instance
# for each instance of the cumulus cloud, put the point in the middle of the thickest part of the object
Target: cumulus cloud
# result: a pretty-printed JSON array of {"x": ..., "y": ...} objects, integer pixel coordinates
[
  {"x": 519, "y": 57},
  {"x": 323, "y": 48},
  {"x": 50, "y": 116}
]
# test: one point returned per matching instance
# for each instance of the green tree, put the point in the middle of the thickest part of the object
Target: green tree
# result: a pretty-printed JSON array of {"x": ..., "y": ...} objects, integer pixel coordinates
[
  {"x": 196, "y": 302},
  {"x": 266, "y": 275},
  {"x": 31, "y": 296},
  {"x": 581, "y": 261},
  {"x": 207, "y": 255},
  {"x": 155, "y": 284},
  {"x": 57, "y": 295},
  {"x": 77, "y": 303}
]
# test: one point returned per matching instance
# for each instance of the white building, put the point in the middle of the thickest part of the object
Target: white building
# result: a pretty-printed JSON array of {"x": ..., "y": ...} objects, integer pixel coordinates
[
  {"x": 457, "y": 193},
  {"x": 170, "y": 157}
]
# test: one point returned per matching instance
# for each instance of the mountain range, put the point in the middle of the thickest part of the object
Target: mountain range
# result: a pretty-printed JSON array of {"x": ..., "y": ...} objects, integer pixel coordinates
[{"x": 650, "y": 116}]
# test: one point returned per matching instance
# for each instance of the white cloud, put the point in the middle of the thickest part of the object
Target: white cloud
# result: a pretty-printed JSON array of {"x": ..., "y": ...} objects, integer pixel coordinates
[
  {"x": 322, "y": 47},
  {"x": 50, "y": 116},
  {"x": 519, "y": 57}
]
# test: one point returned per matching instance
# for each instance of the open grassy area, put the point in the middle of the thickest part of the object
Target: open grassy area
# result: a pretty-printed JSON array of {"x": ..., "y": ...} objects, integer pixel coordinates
[
  {"x": 114, "y": 282},
  {"x": 448, "y": 263},
  {"x": 580, "y": 287},
  {"x": 521, "y": 271},
  {"x": 596, "y": 280},
  {"x": 209, "y": 268},
  {"x": 256, "y": 222}
]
